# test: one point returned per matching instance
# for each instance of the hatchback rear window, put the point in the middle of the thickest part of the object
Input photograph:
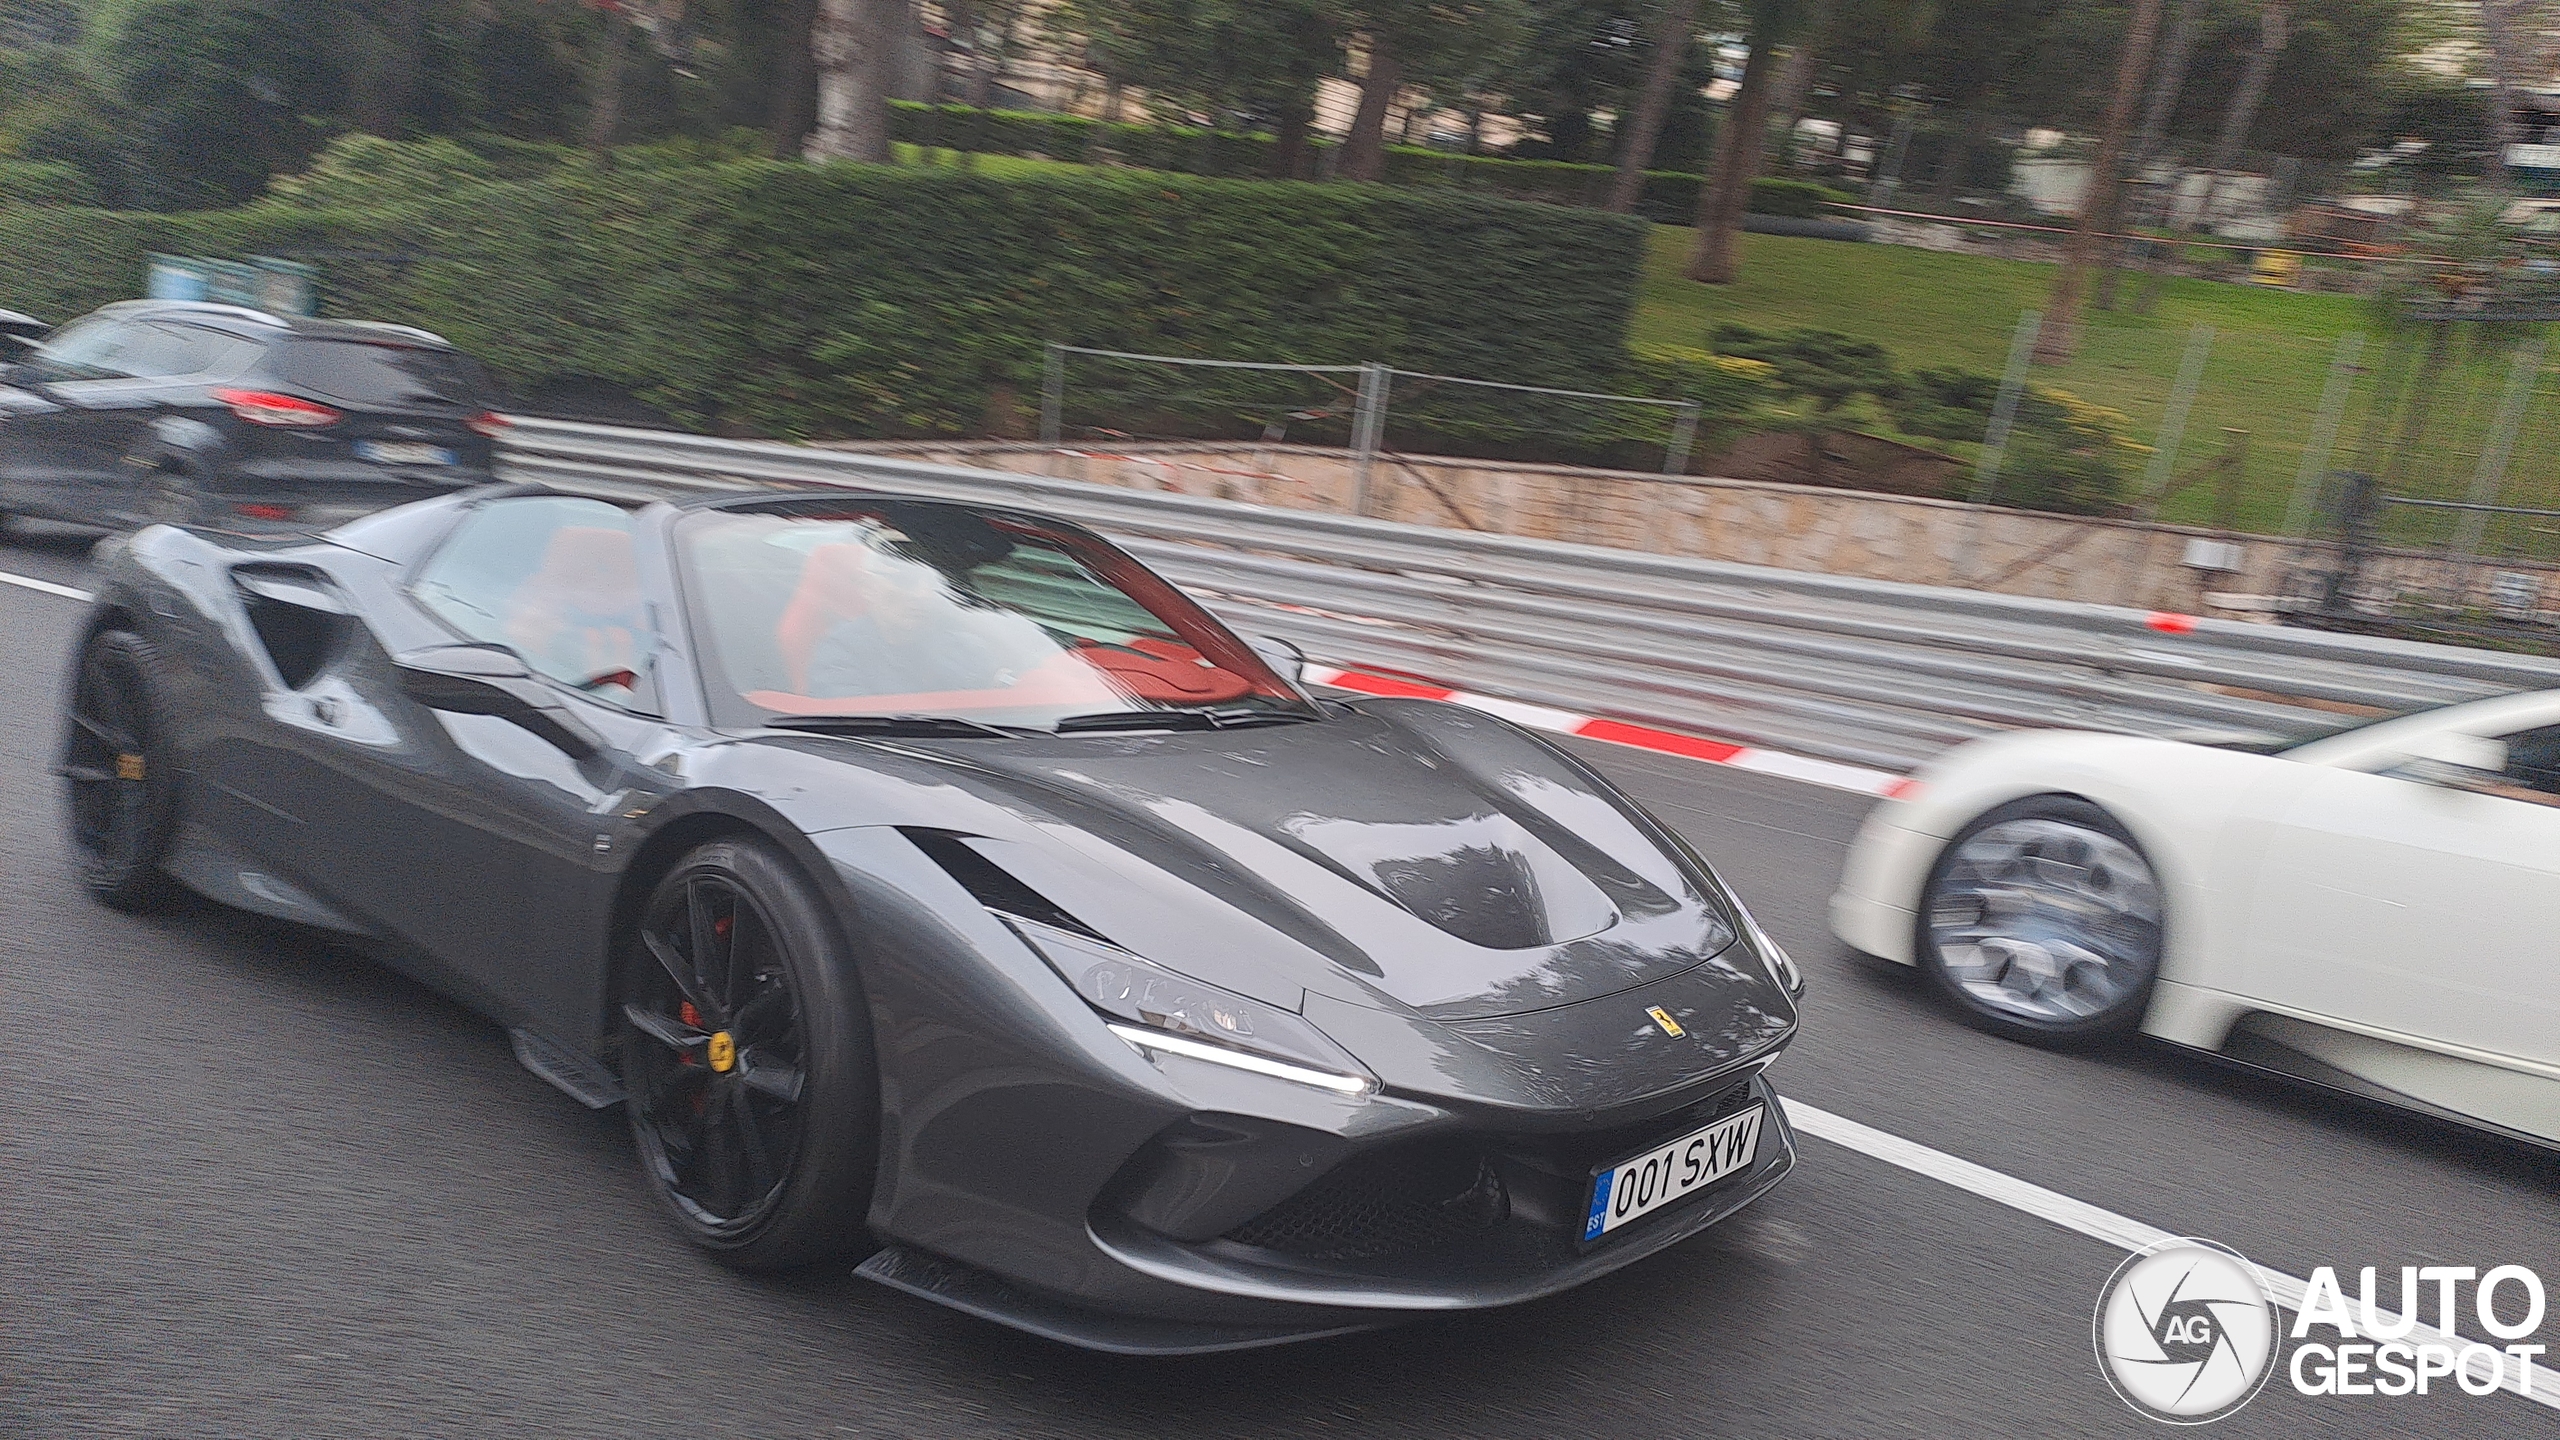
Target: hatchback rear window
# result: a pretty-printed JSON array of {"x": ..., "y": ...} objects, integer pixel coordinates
[{"x": 355, "y": 372}]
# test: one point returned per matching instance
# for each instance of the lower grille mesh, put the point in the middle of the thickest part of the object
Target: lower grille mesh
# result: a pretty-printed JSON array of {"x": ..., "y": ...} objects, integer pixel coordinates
[{"x": 1394, "y": 1203}]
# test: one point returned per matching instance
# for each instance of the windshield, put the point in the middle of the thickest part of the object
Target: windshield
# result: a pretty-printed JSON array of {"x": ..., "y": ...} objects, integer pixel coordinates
[
  {"x": 357, "y": 372},
  {"x": 2331, "y": 730},
  {"x": 827, "y": 607}
]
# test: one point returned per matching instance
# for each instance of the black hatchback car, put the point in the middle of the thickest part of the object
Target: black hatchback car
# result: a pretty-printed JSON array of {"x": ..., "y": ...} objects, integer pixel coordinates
[{"x": 153, "y": 410}]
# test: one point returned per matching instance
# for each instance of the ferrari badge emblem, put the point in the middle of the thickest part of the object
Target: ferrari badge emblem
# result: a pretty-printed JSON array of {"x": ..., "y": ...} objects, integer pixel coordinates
[
  {"x": 129, "y": 767},
  {"x": 1663, "y": 1018},
  {"x": 724, "y": 1051}
]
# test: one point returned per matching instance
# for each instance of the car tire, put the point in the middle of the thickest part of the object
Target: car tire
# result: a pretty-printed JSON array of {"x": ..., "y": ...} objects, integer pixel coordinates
[
  {"x": 2042, "y": 920},
  {"x": 123, "y": 797},
  {"x": 748, "y": 1073}
]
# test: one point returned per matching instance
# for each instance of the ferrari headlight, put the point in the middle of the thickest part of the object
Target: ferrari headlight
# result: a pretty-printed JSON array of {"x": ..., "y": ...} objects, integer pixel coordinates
[{"x": 1172, "y": 1014}]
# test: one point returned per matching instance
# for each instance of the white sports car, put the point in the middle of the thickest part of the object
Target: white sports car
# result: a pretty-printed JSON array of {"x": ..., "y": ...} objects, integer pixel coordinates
[{"x": 2376, "y": 911}]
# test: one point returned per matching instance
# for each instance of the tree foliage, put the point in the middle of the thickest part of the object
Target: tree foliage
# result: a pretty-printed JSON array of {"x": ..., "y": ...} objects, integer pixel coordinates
[
  {"x": 188, "y": 103},
  {"x": 2048, "y": 63}
]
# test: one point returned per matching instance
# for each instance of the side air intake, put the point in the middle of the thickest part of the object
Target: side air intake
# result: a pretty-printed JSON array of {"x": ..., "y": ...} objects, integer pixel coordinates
[{"x": 989, "y": 884}]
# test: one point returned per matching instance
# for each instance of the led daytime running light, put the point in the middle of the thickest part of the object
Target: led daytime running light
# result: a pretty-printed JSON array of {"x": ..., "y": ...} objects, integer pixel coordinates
[{"x": 1145, "y": 1041}]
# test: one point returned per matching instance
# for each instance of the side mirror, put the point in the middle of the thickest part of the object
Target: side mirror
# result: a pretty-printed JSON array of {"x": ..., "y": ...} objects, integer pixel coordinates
[
  {"x": 493, "y": 680},
  {"x": 2456, "y": 762},
  {"x": 1283, "y": 656}
]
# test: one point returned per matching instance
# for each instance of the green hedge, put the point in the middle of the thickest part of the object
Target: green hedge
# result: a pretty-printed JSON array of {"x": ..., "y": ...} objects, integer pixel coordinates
[
  {"x": 1795, "y": 199},
  {"x": 842, "y": 300},
  {"x": 1668, "y": 197},
  {"x": 44, "y": 182}
]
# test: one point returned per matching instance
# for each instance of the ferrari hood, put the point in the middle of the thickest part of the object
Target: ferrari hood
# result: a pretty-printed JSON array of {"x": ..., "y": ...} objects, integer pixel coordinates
[{"x": 1412, "y": 856}]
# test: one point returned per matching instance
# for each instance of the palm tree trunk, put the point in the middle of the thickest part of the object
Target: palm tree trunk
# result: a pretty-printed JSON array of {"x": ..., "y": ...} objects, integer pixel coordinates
[
  {"x": 604, "y": 113},
  {"x": 851, "y": 44},
  {"x": 1364, "y": 151},
  {"x": 987, "y": 61},
  {"x": 2059, "y": 336},
  {"x": 1715, "y": 249},
  {"x": 1289, "y": 141},
  {"x": 2497, "y": 24},
  {"x": 795, "y": 82},
  {"x": 2165, "y": 85},
  {"x": 1670, "y": 47},
  {"x": 1795, "y": 80},
  {"x": 2272, "y": 33}
]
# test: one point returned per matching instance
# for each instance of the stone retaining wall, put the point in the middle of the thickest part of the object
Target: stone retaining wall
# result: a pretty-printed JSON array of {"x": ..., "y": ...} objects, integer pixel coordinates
[{"x": 1794, "y": 527}]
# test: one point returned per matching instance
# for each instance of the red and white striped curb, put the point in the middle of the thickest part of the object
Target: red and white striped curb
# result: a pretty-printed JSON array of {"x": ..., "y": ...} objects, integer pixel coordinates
[{"x": 1619, "y": 732}]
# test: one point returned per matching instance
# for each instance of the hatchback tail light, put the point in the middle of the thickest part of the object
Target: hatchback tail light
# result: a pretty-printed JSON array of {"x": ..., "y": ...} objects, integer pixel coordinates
[
  {"x": 265, "y": 407},
  {"x": 489, "y": 423},
  {"x": 260, "y": 510}
]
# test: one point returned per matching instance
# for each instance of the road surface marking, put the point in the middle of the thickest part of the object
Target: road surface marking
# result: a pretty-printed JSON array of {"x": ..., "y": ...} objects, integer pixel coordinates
[
  {"x": 1856, "y": 779},
  {"x": 2120, "y": 1231},
  {"x": 45, "y": 587}
]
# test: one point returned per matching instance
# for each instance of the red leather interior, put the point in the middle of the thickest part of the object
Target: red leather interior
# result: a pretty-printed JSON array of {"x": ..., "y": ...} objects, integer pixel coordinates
[
  {"x": 587, "y": 587},
  {"x": 835, "y": 585},
  {"x": 830, "y": 590}
]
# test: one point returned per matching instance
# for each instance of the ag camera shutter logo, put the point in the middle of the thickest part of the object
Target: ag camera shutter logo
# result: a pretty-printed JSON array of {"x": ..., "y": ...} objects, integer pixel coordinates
[{"x": 2185, "y": 1332}]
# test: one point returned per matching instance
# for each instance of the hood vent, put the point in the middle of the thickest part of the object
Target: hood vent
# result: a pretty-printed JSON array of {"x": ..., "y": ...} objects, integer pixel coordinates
[
  {"x": 1482, "y": 878},
  {"x": 989, "y": 884}
]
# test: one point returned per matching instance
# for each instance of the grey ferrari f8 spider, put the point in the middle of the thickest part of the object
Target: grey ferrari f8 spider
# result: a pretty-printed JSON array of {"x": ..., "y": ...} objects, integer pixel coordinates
[{"x": 937, "y": 889}]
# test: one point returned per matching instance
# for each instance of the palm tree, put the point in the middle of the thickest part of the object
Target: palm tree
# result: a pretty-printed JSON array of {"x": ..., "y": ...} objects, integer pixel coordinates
[
  {"x": 2059, "y": 336},
  {"x": 853, "y": 43},
  {"x": 1715, "y": 250},
  {"x": 1670, "y": 47}
]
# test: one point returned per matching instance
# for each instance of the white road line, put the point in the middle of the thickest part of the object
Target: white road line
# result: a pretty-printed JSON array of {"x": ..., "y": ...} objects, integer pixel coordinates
[
  {"x": 46, "y": 587},
  {"x": 2542, "y": 1386},
  {"x": 2023, "y": 1196}
]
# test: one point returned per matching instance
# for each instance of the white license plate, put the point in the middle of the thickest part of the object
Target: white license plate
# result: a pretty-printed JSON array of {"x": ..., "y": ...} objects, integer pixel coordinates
[
  {"x": 1657, "y": 1177},
  {"x": 403, "y": 452}
]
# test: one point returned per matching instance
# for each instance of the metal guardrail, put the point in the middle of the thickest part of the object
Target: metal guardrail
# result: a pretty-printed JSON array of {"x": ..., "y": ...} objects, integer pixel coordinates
[{"x": 1864, "y": 671}]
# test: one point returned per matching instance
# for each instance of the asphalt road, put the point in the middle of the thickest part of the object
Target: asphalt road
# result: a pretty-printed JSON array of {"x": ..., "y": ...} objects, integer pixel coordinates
[{"x": 253, "y": 1184}]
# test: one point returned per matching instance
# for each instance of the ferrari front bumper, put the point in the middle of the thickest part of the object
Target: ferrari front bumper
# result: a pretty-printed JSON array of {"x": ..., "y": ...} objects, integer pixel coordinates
[{"x": 1165, "y": 1288}]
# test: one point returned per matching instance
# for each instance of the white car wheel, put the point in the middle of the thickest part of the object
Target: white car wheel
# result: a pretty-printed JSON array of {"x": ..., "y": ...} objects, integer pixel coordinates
[{"x": 2042, "y": 919}]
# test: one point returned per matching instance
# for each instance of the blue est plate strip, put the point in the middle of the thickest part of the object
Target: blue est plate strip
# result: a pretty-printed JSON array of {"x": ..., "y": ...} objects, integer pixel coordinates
[{"x": 1599, "y": 1205}]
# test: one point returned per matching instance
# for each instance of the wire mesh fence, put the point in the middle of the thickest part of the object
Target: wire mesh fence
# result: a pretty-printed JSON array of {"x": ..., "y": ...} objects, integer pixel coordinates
[
  {"x": 1372, "y": 410},
  {"x": 2410, "y": 457},
  {"x": 1091, "y": 394}
]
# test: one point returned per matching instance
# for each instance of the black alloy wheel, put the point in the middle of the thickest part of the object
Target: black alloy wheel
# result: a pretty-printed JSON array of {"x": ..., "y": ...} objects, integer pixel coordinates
[
  {"x": 747, "y": 1064},
  {"x": 122, "y": 794}
]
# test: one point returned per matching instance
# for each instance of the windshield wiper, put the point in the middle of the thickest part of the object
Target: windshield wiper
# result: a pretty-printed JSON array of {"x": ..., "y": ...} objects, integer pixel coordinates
[
  {"x": 1178, "y": 720},
  {"x": 887, "y": 725}
]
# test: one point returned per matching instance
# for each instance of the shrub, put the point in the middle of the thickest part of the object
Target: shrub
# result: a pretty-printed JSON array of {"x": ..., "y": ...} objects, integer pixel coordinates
[
  {"x": 1724, "y": 386},
  {"x": 1946, "y": 404},
  {"x": 58, "y": 261},
  {"x": 2066, "y": 455},
  {"x": 1795, "y": 199},
  {"x": 1667, "y": 197},
  {"x": 1728, "y": 389},
  {"x": 1821, "y": 366},
  {"x": 210, "y": 95},
  {"x": 44, "y": 182},
  {"x": 848, "y": 300},
  {"x": 361, "y": 170}
]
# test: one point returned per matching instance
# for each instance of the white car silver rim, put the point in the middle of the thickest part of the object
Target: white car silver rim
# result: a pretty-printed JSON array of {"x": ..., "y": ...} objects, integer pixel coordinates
[{"x": 2046, "y": 920}]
